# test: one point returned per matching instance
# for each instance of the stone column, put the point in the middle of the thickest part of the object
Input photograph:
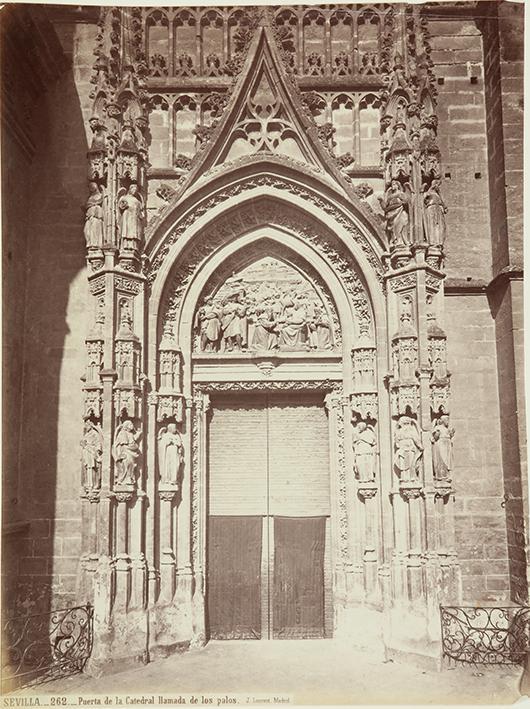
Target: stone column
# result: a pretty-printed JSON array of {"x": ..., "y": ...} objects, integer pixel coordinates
[
  {"x": 167, "y": 495},
  {"x": 199, "y": 497}
]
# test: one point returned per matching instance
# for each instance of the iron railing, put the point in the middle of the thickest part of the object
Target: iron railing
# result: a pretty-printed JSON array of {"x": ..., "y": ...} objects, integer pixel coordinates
[
  {"x": 37, "y": 648},
  {"x": 497, "y": 635}
]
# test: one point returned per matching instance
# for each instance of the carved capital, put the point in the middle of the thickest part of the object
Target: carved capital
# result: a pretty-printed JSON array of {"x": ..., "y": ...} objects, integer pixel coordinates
[
  {"x": 123, "y": 493},
  {"x": 167, "y": 491},
  {"x": 410, "y": 490},
  {"x": 366, "y": 490}
]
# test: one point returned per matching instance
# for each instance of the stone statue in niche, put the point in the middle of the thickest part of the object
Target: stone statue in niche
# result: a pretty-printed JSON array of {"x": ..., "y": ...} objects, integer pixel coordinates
[
  {"x": 434, "y": 214},
  {"x": 131, "y": 214},
  {"x": 93, "y": 228},
  {"x": 442, "y": 448},
  {"x": 364, "y": 450},
  {"x": 170, "y": 454},
  {"x": 208, "y": 323},
  {"x": 395, "y": 204},
  {"x": 408, "y": 448},
  {"x": 126, "y": 451},
  {"x": 91, "y": 455},
  {"x": 125, "y": 318}
]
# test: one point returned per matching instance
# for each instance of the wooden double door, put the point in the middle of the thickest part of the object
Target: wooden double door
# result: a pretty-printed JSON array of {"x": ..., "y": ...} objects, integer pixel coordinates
[{"x": 268, "y": 523}]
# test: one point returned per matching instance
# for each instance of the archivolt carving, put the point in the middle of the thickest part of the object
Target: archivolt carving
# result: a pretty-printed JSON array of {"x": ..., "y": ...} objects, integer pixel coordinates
[
  {"x": 308, "y": 228},
  {"x": 266, "y": 181}
]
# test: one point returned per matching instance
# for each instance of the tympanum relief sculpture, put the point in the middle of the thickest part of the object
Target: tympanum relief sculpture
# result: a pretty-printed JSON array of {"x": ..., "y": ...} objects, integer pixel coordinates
[{"x": 269, "y": 306}]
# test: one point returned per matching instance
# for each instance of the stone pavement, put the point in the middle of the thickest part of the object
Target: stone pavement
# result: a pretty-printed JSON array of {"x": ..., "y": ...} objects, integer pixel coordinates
[{"x": 308, "y": 671}]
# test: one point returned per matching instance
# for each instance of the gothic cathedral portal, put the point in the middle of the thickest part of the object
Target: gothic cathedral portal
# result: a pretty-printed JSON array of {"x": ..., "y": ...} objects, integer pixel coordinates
[{"x": 267, "y": 394}]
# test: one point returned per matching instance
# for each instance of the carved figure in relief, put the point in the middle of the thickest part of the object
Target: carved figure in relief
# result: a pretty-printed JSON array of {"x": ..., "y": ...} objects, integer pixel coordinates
[
  {"x": 208, "y": 322},
  {"x": 442, "y": 448},
  {"x": 408, "y": 448},
  {"x": 434, "y": 214},
  {"x": 320, "y": 331},
  {"x": 91, "y": 455},
  {"x": 170, "y": 454},
  {"x": 395, "y": 204},
  {"x": 234, "y": 323},
  {"x": 364, "y": 449},
  {"x": 126, "y": 452},
  {"x": 265, "y": 332},
  {"x": 131, "y": 210},
  {"x": 167, "y": 374},
  {"x": 293, "y": 332},
  {"x": 93, "y": 229}
]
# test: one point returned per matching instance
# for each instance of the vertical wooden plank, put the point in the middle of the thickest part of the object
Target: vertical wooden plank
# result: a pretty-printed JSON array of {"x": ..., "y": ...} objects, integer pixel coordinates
[
  {"x": 298, "y": 581},
  {"x": 234, "y": 577}
]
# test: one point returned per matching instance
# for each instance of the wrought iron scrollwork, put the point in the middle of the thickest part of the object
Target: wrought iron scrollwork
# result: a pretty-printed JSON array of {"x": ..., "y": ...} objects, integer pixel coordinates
[
  {"x": 486, "y": 635},
  {"x": 45, "y": 646}
]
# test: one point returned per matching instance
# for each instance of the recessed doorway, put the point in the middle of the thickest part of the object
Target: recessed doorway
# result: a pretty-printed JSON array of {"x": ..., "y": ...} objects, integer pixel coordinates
[{"x": 268, "y": 534}]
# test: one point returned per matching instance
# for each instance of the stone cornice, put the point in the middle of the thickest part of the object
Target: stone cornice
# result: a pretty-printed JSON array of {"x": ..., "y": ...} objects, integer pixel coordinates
[{"x": 478, "y": 286}]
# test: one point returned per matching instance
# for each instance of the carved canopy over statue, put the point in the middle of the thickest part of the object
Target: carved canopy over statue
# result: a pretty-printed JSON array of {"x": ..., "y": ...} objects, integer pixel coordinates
[{"x": 255, "y": 312}]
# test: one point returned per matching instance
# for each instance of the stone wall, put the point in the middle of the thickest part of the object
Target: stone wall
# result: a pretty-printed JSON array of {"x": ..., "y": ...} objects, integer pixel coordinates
[
  {"x": 55, "y": 320},
  {"x": 480, "y": 520},
  {"x": 458, "y": 65},
  {"x": 503, "y": 48}
]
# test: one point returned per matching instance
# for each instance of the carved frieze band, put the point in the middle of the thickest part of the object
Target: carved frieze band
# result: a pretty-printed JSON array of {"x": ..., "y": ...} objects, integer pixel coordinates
[{"x": 269, "y": 385}]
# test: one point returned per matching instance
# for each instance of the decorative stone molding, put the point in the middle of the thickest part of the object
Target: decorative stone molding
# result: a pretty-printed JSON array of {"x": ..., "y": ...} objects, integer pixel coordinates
[
  {"x": 262, "y": 385},
  {"x": 365, "y": 404},
  {"x": 283, "y": 184},
  {"x": 366, "y": 490},
  {"x": 267, "y": 212}
]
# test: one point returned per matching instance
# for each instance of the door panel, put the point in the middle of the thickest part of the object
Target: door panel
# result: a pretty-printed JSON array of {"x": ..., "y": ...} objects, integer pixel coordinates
[
  {"x": 298, "y": 580},
  {"x": 298, "y": 444},
  {"x": 238, "y": 456},
  {"x": 234, "y": 577}
]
